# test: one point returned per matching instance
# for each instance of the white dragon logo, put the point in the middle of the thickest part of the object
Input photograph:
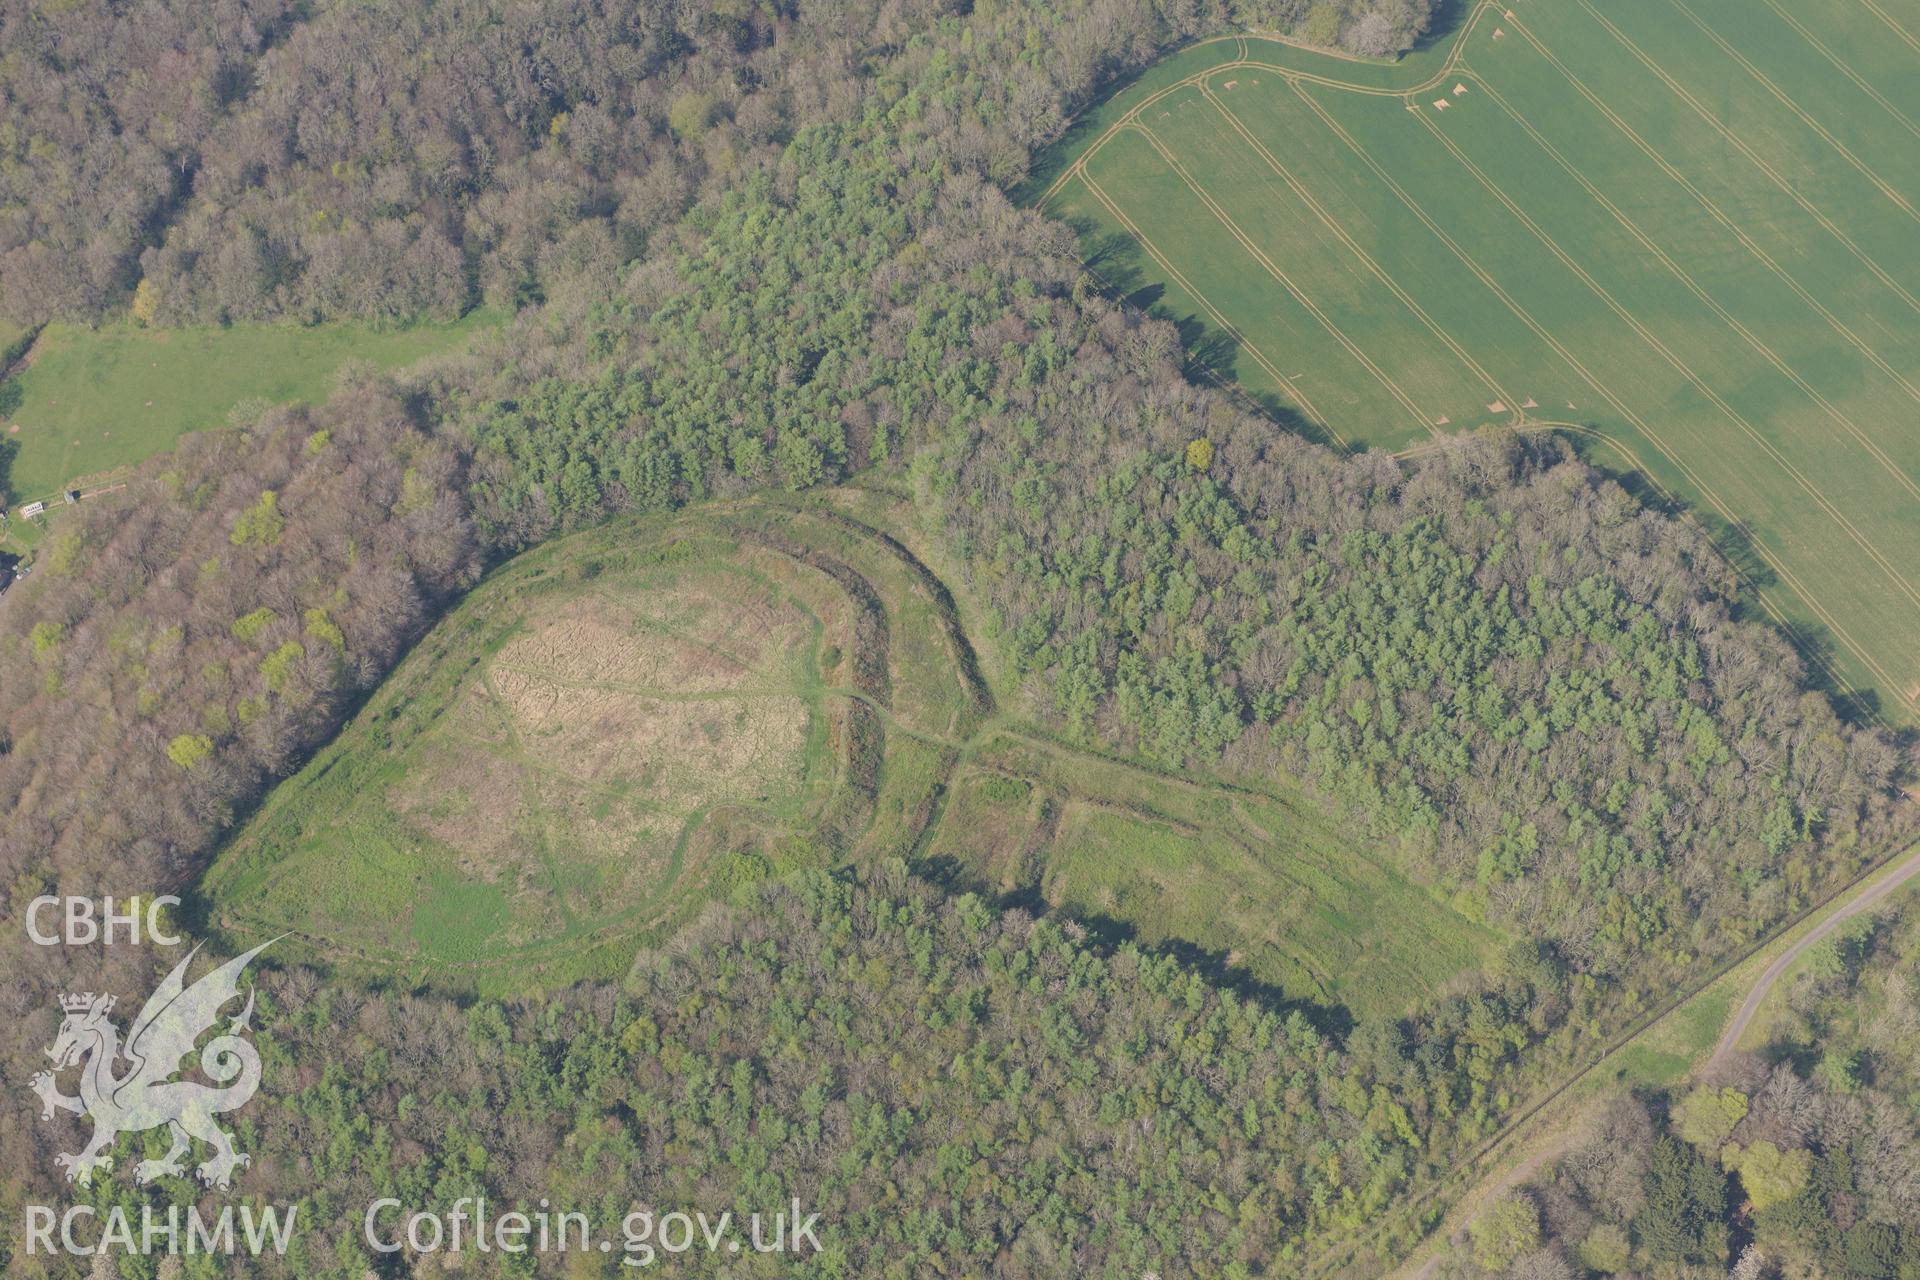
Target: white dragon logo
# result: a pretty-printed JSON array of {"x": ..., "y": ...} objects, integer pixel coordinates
[{"x": 143, "y": 1098}]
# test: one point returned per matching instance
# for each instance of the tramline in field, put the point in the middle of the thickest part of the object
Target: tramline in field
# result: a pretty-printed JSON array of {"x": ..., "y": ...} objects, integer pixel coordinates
[{"x": 1685, "y": 231}]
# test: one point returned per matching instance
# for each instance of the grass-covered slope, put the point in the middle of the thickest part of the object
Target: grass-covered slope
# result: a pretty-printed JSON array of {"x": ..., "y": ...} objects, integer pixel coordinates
[{"x": 1258, "y": 885}]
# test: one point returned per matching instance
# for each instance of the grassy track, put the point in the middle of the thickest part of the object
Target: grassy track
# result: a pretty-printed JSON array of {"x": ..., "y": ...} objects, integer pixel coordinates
[
  {"x": 1689, "y": 226},
  {"x": 1685, "y": 1040},
  {"x": 90, "y": 401}
]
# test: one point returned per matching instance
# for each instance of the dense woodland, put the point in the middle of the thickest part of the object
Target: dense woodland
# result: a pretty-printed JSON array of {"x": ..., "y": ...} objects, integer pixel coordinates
[
  {"x": 1497, "y": 657},
  {"x": 771, "y": 246},
  {"x": 955, "y": 1090},
  {"x": 195, "y": 645},
  {"x": 247, "y": 161}
]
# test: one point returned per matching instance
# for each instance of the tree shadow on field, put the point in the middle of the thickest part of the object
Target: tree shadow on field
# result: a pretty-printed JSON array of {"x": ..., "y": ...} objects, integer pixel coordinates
[
  {"x": 1334, "y": 1021},
  {"x": 1212, "y": 349},
  {"x": 1108, "y": 934},
  {"x": 1043, "y": 168},
  {"x": 1814, "y": 641},
  {"x": 1446, "y": 20},
  {"x": 1858, "y": 707},
  {"x": 1735, "y": 540},
  {"x": 1738, "y": 545},
  {"x": 9, "y": 450},
  {"x": 1146, "y": 299},
  {"x": 1117, "y": 260},
  {"x": 1597, "y": 451}
]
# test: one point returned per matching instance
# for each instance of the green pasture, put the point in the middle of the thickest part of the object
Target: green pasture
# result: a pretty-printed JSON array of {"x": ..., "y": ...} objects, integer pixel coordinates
[
  {"x": 568, "y": 766},
  {"x": 1255, "y": 886},
  {"x": 88, "y": 402},
  {"x": 1683, "y": 231},
  {"x": 613, "y": 730}
]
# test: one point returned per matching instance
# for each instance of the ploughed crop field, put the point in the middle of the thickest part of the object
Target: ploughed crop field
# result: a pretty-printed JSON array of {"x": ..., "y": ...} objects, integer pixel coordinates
[{"x": 1686, "y": 232}]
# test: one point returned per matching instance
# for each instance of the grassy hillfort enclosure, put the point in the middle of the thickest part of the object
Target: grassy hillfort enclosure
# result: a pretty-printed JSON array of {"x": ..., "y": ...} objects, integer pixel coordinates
[
  {"x": 617, "y": 727},
  {"x": 625, "y": 724},
  {"x": 1683, "y": 230}
]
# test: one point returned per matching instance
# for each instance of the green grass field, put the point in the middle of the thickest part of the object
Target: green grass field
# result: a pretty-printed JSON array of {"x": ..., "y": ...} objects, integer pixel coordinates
[
  {"x": 603, "y": 734},
  {"x": 90, "y": 401},
  {"x": 611, "y": 731},
  {"x": 1261, "y": 886},
  {"x": 1684, "y": 231}
]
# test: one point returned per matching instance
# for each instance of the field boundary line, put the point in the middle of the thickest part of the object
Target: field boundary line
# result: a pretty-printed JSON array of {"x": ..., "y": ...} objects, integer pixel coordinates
[
  {"x": 1653, "y": 153},
  {"x": 1859, "y": 81},
  {"x": 1296, "y": 80},
  {"x": 1699, "y": 291},
  {"x": 1111, "y": 132},
  {"x": 1554, "y": 344},
  {"x": 1680, "y": 366},
  {"x": 1759, "y": 162},
  {"x": 1726, "y": 512},
  {"x": 1233, "y": 228},
  {"x": 1786, "y": 574},
  {"x": 1242, "y": 59},
  {"x": 1407, "y": 300},
  {"x": 1682, "y": 511},
  {"x": 1806, "y": 117},
  {"x": 1226, "y": 384},
  {"x": 1286, "y": 385},
  {"x": 1897, "y": 29}
]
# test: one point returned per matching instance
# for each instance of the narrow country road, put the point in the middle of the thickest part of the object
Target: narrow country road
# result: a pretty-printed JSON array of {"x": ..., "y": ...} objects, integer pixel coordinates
[{"x": 1864, "y": 897}]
